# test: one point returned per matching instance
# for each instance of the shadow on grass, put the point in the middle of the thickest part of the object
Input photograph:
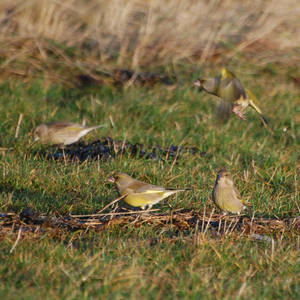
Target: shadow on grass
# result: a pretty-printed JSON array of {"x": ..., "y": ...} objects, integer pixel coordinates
[
  {"x": 107, "y": 148},
  {"x": 20, "y": 198}
]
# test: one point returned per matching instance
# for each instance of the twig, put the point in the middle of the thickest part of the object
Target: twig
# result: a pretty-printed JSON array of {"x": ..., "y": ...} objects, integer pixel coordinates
[
  {"x": 111, "y": 203},
  {"x": 131, "y": 80},
  {"x": 296, "y": 192},
  {"x": 219, "y": 227},
  {"x": 5, "y": 149},
  {"x": 114, "y": 214},
  {"x": 18, "y": 125},
  {"x": 123, "y": 144},
  {"x": 203, "y": 218},
  {"x": 229, "y": 227},
  {"x": 252, "y": 219},
  {"x": 233, "y": 227},
  {"x": 17, "y": 240},
  {"x": 111, "y": 121},
  {"x": 208, "y": 223},
  {"x": 225, "y": 224},
  {"x": 135, "y": 220},
  {"x": 64, "y": 156},
  {"x": 272, "y": 175},
  {"x": 174, "y": 161}
]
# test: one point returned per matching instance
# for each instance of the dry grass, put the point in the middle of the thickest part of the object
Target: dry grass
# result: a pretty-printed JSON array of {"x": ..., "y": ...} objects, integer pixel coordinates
[
  {"x": 180, "y": 221},
  {"x": 136, "y": 34}
]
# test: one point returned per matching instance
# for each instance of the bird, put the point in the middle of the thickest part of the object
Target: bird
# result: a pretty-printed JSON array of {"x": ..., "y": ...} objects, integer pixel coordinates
[
  {"x": 61, "y": 133},
  {"x": 230, "y": 89},
  {"x": 139, "y": 193},
  {"x": 225, "y": 195}
]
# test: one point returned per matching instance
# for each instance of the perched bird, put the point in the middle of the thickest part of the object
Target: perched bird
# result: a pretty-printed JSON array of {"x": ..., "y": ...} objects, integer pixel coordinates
[
  {"x": 225, "y": 195},
  {"x": 229, "y": 88},
  {"x": 139, "y": 193},
  {"x": 61, "y": 133}
]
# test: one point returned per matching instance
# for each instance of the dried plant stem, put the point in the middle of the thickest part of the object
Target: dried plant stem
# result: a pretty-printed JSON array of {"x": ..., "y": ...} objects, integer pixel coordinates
[
  {"x": 111, "y": 203},
  {"x": 18, "y": 125},
  {"x": 17, "y": 240},
  {"x": 115, "y": 214}
]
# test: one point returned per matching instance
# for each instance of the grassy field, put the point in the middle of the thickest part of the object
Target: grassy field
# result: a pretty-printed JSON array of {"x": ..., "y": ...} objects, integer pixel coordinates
[
  {"x": 46, "y": 46},
  {"x": 151, "y": 261}
]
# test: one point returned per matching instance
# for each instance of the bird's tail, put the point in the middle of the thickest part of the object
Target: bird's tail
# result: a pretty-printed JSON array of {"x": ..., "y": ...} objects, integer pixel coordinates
[
  {"x": 253, "y": 103},
  {"x": 264, "y": 119}
]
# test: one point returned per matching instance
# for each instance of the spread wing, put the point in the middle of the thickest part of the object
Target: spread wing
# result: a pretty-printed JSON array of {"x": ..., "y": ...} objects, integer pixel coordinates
[
  {"x": 231, "y": 89},
  {"x": 227, "y": 74},
  {"x": 223, "y": 110}
]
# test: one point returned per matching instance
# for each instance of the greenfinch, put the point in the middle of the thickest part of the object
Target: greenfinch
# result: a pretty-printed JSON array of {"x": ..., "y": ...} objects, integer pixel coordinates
[
  {"x": 139, "y": 193},
  {"x": 229, "y": 88},
  {"x": 61, "y": 133},
  {"x": 225, "y": 195}
]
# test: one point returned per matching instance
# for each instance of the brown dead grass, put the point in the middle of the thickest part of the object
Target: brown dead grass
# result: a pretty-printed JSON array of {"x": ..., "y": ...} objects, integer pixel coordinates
[
  {"x": 178, "y": 221},
  {"x": 41, "y": 34}
]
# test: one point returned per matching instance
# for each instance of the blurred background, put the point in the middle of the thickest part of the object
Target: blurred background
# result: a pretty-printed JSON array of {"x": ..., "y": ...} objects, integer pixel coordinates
[{"x": 94, "y": 36}]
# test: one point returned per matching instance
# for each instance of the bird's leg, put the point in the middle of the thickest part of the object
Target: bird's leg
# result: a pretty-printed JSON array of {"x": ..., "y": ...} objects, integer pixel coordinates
[{"x": 238, "y": 110}]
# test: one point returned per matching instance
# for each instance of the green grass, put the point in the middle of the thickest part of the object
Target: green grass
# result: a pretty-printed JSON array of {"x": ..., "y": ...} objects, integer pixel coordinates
[{"x": 148, "y": 262}]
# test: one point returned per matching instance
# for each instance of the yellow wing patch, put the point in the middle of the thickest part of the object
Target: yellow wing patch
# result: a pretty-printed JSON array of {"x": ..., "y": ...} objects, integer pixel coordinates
[{"x": 226, "y": 74}]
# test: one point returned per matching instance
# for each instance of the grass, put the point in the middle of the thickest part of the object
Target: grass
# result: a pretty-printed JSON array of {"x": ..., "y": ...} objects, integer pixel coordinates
[
  {"x": 46, "y": 45},
  {"x": 150, "y": 261},
  {"x": 128, "y": 264}
]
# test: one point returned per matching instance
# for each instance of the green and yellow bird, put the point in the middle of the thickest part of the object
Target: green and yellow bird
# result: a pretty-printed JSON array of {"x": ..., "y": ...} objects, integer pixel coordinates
[
  {"x": 61, "y": 133},
  {"x": 139, "y": 193},
  {"x": 230, "y": 89},
  {"x": 225, "y": 195}
]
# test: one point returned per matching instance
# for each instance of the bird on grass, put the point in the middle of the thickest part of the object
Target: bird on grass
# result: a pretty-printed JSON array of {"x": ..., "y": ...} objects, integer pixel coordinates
[
  {"x": 230, "y": 89},
  {"x": 225, "y": 195},
  {"x": 61, "y": 133},
  {"x": 139, "y": 193}
]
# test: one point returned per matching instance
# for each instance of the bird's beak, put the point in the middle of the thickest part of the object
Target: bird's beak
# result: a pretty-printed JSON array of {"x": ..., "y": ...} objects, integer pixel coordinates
[
  {"x": 111, "y": 179},
  {"x": 36, "y": 138},
  {"x": 197, "y": 83}
]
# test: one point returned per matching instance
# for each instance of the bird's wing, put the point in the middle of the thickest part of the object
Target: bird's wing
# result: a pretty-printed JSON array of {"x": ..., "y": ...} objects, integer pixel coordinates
[
  {"x": 66, "y": 128},
  {"x": 143, "y": 199},
  {"x": 61, "y": 125},
  {"x": 226, "y": 74},
  {"x": 240, "y": 88},
  {"x": 232, "y": 86},
  {"x": 237, "y": 193},
  {"x": 238, "y": 196},
  {"x": 149, "y": 189},
  {"x": 223, "y": 110},
  {"x": 231, "y": 90}
]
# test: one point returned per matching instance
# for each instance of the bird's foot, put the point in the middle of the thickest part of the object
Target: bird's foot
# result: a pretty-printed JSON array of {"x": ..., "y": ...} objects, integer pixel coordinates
[{"x": 238, "y": 110}]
